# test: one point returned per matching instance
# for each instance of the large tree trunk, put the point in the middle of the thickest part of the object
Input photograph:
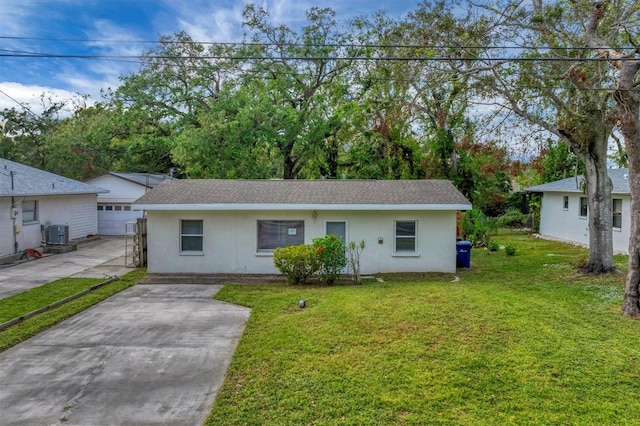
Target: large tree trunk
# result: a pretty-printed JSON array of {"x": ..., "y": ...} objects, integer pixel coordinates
[
  {"x": 593, "y": 153},
  {"x": 631, "y": 303},
  {"x": 599, "y": 189},
  {"x": 629, "y": 113}
]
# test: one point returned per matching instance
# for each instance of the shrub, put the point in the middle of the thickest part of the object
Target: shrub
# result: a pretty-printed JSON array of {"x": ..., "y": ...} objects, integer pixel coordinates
[
  {"x": 494, "y": 245},
  {"x": 355, "y": 250},
  {"x": 331, "y": 252},
  {"x": 477, "y": 227},
  {"x": 512, "y": 218},
  {"x": 510, "y": 250},
  {"x": 297, "y": 263}
]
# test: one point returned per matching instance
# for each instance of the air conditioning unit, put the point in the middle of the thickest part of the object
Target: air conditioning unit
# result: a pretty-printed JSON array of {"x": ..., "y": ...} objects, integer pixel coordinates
[{"x": 58, "y": 234}]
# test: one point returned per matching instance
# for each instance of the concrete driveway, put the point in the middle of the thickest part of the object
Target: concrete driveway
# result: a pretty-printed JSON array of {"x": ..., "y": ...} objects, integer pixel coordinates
[
  {"x": 152, "y": 354},
  {"x": 95, "y": 259}
]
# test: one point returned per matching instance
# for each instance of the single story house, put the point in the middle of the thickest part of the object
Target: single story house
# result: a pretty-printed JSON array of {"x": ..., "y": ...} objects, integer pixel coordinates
[
  {"x": 31, "y": 200},
  {"x": 233, "y": 226},
  {"x": 564, "y": 211},
  {"x": 114, "y": 207}
]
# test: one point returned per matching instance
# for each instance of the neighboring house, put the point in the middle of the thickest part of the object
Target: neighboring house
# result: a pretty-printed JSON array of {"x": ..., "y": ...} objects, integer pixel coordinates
[
  {"x": 114, "y": 207},
  {"x": 31, "y": 200},
  {"x": 564, "y": 210},
  {"x": 233, "y": 226}
]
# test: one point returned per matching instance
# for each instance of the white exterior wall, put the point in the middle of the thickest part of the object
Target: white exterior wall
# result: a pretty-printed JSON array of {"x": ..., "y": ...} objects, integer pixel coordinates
[
  {"x": 230, "y": 240},
  {"x": 120, "y": 190},
  {"x": 77, "y": 211},
  {"x": 566, "y": 224},
  {"x": 121, "y": 193}
]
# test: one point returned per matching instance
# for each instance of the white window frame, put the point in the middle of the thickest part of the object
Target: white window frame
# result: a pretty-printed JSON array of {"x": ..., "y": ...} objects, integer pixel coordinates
[
  {"x": 29, "y": 215},
  {"x": 299, "y": 239},
  {"x": 565, "y": 202},
  {"x": 191, "y": 235},
  {"x": 396, "y": 237},
  {"x": 582, "y": 204},
  {"x": 617, "y": 214}
]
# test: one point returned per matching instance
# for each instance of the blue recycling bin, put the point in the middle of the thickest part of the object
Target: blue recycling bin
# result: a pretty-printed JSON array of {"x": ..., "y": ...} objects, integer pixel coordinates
[{"x": 463, "y": 254}]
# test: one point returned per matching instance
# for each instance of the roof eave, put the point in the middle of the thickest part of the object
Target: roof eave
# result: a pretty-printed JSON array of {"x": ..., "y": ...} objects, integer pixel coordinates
[{"x": 276, "y": 206}]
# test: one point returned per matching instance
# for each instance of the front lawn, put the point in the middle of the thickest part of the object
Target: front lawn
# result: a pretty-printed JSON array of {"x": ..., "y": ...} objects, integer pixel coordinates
[{"x": 518, "y": 340}]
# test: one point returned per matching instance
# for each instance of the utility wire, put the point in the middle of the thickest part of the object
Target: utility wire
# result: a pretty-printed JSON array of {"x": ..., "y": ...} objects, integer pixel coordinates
[
  {"x": 23, "y": 106},
  {"x": 293, "y": 44},
  {"x": 314, "y": 58}
]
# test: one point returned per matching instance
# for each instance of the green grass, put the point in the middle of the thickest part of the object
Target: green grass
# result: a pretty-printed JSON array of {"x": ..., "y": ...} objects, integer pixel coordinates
[
  {"x": 58, "y": 290},
  {"x": 38, "y": 297},
  {"x": 519, "y": 339}
]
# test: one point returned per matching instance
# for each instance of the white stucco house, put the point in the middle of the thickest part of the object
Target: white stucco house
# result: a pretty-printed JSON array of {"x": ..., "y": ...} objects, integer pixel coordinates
[
  {"x": 564, "y": 210},
  {"x": 31, "y": 200},
  {"x": 233, "y": 226},
  {"x": 114, "y": 207}
]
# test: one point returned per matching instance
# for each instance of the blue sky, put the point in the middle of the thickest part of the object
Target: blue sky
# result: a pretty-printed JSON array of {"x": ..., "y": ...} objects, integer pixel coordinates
[{"x": 45, "y": 23}]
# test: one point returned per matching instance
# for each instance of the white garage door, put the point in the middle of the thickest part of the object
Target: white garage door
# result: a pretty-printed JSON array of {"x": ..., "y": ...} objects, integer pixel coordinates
[{"x": 113, "y": 217}]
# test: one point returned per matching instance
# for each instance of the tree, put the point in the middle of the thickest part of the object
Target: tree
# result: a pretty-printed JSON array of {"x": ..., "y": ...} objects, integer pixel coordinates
[
  {"x": 612, "y": 30},
  {"x": 80, "y": 146},
  {"x": 25, "y": 133},
  {"x": 555, "y": 86},
  {"x": 298, "y": 73}
]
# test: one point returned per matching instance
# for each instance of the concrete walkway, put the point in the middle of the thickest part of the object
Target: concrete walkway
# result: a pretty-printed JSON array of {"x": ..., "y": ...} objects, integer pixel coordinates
[
  {"x": 152, "y": 354},
  {"x": 101, "y": 258}
]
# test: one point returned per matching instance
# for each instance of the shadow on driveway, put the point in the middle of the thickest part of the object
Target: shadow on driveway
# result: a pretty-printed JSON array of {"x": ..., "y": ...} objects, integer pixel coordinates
[{"x": 152, "y": 354}]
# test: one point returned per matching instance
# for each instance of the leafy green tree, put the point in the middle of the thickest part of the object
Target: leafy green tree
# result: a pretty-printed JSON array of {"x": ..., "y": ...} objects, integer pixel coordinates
[
  {"x": 298, "y": 74},
  {"x": 80, "y": 145},
  {"x": 25, "y": 133}
]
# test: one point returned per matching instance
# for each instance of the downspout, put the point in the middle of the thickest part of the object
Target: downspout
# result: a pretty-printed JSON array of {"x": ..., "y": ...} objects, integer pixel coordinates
[
  {"x": 13, "y": 217},
  {"x": 13, "y": 225}
]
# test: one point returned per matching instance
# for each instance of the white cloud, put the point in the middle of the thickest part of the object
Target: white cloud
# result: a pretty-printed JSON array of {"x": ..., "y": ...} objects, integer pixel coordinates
[{"x": 13, "y": 95}]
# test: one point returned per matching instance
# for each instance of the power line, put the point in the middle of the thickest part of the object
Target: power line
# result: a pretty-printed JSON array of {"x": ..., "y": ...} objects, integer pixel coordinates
[
  {"x": 23, "y": 106},
  {"x": 302, "y": 45},
  {"x": 313, "y": 58}
]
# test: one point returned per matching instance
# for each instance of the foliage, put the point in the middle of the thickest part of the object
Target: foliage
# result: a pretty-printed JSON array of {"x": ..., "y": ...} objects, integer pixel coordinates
[
  {"x": 477, "y": 227},
  {"x": 355, "y": 250},
  {"x": 332, "y": 256},
  {"x": 494, "y": 245},
  {"x": 510, "y": 249},
  {"x": 297, "y": 263},
  {"x": 512, "y": 218},
  {"x": 524, "y": 341}
]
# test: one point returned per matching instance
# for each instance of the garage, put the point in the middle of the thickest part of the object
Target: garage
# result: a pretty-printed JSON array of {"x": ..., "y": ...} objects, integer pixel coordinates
[
  {"x": 122, "y": 189},
  {"x": 112, "y": 218}
]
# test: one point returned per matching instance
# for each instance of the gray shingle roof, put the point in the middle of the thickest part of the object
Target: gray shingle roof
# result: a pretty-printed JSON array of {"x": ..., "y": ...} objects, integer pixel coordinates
[
  {"x": 150, "y": 180},
  {"x": 304, "y": 192},
  {"x": 619, "y": 178},
  {"x": 29, "y": 181}
]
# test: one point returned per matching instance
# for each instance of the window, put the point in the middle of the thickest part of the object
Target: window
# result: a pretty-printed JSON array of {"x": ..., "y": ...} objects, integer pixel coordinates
[
  {"x": 617, "y": 213},
  {"x": 405, "y": 236},
  {"x": 565, "y": 202},
  {"x": 109, "y": 208},
  {"x": 279, "y": 233},
  {"x": 583, "y": 207},
  {"x": 29, "y": 211},
  {"x": 100, "y": 207},
  {"x": 191, "y": 235},
  {"x": 118, "y": 208},
  {"x": 127, "y": 208}
]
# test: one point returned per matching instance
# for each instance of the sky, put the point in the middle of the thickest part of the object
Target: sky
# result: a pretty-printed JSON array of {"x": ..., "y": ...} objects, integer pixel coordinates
[{"x": 114, "y": 27}]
